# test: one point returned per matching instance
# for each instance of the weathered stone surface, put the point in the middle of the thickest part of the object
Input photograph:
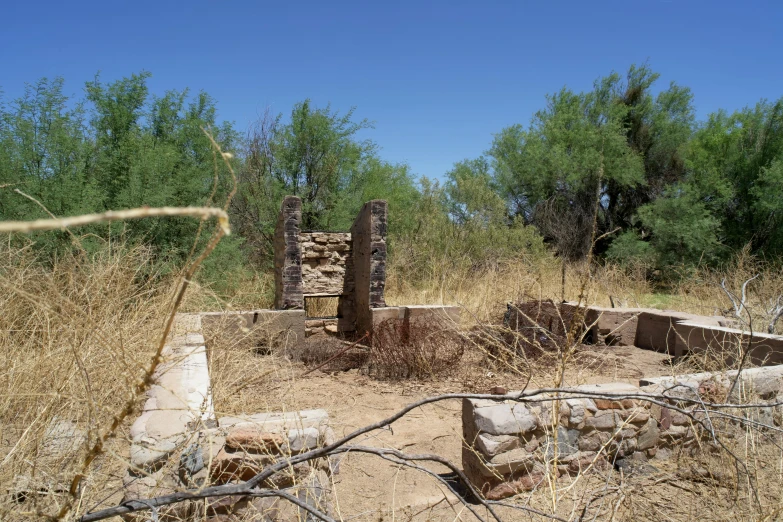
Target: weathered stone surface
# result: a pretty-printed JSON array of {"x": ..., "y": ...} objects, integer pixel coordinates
[
  {"x": 151, "y": 454},
  {"x": 231, "y": 466},
  {"x": 277, "y": 421},
  {"x": 566, "y": 442},
  {"x": 605, "y": 404},
  {"x": 491, "y": 445},
  {"x": 577, "y": 414},
  {"x": 325, "y": 263},
  {"x": 648, "y": 435},
  {"x": 604, "y": 420},
  {"x": 288, "y": 255},
  {"x": 593, "y": 441},
  {"x": 510, "y": 462},
  {"x": 505, "y": 419},
  {"x": 300, "y": 440},
  {"x": 250, "y": 438},
  {"x": 638, "y": 415}
]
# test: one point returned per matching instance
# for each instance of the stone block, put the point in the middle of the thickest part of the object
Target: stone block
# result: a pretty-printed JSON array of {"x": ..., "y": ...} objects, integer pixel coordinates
[
  {"x": 504, "y": 419},
  {"x": 491, "y": 445},
  {"x": 437, "y": 313},
  {"x": 648, "y": 435},
  {"x": 387, "y": 313},
  {"x": 604, "y": 420},
  {"x": 252, "y": 439}
]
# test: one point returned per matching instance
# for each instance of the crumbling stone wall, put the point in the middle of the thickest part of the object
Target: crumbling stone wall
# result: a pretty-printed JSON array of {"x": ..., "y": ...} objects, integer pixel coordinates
[
  {"x": 350, "y": 265},
  {"x": 326, "y": 259},
  {"x": 328, "y": 270},
  {"x": 508, "y": 446},
  {"x": 177, "y": 443},
  {"x": 369, "y": 254},
  {"x": 288, "y": 256}
]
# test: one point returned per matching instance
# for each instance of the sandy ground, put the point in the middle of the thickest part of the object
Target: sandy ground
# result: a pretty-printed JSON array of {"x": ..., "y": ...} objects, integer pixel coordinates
[{"x": 369, "y": 488}]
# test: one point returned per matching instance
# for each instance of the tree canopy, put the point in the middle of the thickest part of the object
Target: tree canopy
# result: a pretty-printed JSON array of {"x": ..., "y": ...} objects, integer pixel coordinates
[{"x": 669, "y": 190}]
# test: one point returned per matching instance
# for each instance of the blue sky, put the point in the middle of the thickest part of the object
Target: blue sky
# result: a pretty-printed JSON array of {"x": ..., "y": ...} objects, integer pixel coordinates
[{"x": 437, "y": 78}]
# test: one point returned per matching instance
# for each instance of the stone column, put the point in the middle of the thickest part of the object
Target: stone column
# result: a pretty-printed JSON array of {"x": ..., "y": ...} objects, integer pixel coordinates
[
  {"x": 368, "y": 234},
  {"x": 288, "y": 256}
]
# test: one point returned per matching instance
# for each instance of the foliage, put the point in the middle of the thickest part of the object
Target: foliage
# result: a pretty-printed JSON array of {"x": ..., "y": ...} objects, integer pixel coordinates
[
  {"x": 317, "y": 156},
  {"x": 118, "y": 148},
  {"x": 670, "y": 191}
]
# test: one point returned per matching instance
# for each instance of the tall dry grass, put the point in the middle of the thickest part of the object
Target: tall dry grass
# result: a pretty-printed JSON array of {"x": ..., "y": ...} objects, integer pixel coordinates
[
  {"x": 484, "y": 291},
  {"x": 74, "y": 338}
]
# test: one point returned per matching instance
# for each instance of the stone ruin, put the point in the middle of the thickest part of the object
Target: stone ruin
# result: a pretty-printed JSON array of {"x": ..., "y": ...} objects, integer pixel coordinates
[
  {"x": 179, "y": 443},
  {"x": 509, "y": 446},
  {"x": 347, "y": 266}
]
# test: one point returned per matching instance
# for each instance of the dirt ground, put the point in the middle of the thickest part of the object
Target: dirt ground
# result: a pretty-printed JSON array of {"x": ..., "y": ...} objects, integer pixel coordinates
[{"x": 369, "y": 488}]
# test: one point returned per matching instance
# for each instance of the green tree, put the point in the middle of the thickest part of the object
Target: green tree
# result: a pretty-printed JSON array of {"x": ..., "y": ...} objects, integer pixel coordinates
[
  {"x": 318, "y": 156},
  {"x": 734, "y": 167},
  {"x": 575, "y": 149}
]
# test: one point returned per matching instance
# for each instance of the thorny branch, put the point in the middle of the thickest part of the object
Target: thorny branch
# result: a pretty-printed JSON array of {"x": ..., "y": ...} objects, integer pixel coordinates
[{"x": 253, "y": 487}]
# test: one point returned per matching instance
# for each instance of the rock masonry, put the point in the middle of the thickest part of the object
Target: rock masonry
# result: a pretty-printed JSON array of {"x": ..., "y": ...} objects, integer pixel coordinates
[
  {"x": 511, "y": 446},
  {"x": 348, "y": 265},
  {"x": 178, "y": 444},
  {"x": 327, "y": 263}
]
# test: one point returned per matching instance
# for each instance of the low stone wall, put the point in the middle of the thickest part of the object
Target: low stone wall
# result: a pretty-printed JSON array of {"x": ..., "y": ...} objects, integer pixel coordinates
[
  {"x": 676, "y": 333},
  {"x": 180, "y": 396},
  {"x": 695, "y": 337},
  {"x": 510, "y": 446},
  {"x": 178, "y": 444}
]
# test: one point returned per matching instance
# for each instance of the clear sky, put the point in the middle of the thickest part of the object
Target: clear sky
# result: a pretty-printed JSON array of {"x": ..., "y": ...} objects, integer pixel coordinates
[{"x": 437, "y": 78}]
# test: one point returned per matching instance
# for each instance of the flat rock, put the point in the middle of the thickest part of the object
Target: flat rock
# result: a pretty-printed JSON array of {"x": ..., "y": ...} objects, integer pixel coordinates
[
  {"x": 251, "y": 438},
  {"x": 505, "y": 419}
]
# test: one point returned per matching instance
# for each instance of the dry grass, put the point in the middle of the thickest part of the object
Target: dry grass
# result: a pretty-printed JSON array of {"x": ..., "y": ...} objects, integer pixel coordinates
[
  {"x": 74, "y": 339},
  {"x": 484, "y": 292}
]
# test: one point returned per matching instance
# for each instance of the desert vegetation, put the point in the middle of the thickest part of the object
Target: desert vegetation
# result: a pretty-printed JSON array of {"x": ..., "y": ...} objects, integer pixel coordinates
[{"x": 614, "y": 196}]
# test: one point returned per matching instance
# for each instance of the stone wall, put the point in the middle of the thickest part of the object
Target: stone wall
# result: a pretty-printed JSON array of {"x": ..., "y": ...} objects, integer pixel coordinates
[
  {"x": 328, "y": 270},
  {"x": 178, "y": 444},
  {"x": 509, "y": 446},
  {"x": 288, "y": 255},
  {"x": 326, "y": 260},
  {"x": 667, "y": 331},
  {"x": 350, "y": 265},
  {"x": 694, "y": 337},
  {"x": 369, "y": 254}
]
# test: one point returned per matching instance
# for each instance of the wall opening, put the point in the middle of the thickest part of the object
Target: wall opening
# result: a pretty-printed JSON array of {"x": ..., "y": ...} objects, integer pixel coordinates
[{"x": 322, "y": 307}]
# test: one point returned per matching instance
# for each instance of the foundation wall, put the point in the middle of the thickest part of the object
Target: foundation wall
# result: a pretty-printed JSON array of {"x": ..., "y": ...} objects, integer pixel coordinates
[
  {"x": 675, "y": 333},
  {"x": 509, "y": 446},
  {"x": 691, "y": 337}
]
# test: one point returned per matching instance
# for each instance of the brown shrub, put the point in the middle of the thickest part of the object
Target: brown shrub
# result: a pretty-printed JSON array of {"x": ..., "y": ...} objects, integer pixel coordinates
[{"x": 415, "y": 350}]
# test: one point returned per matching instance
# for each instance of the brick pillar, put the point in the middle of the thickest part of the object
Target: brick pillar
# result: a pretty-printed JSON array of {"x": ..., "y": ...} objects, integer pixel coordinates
[
  {"x": 288, "y": 256},
  {"x": 368, "y": 235}
]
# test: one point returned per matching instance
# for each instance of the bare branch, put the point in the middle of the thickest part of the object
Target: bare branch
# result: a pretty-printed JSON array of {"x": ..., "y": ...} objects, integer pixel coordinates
[{"x": 340, "y": 446}]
